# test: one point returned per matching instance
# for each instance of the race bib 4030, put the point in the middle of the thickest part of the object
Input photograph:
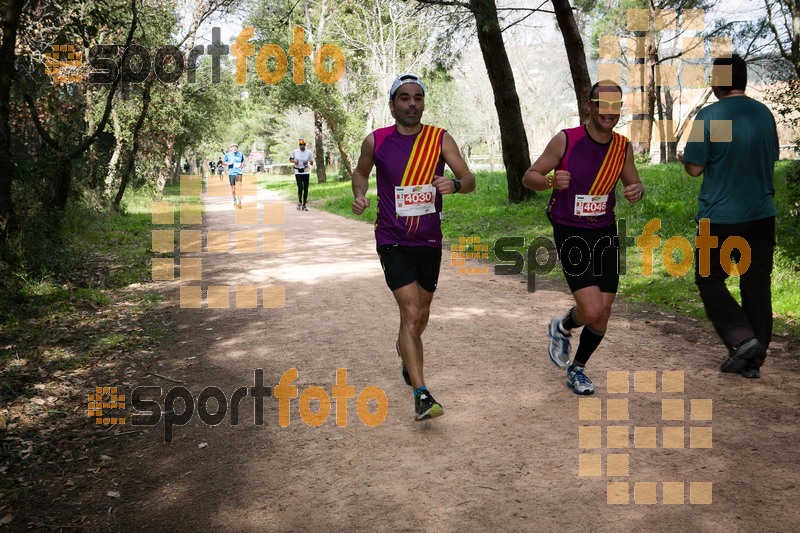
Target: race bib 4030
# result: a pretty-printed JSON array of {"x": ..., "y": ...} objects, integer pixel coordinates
[
  {"x": 414, "y": 200},
  {"x": 590, "y": 206}
]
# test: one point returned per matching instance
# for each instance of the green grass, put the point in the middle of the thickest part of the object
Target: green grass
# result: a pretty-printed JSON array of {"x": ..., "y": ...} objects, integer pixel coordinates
[
  {"x": 91, "y": 306},
  {"x": 671, "y": 197}
]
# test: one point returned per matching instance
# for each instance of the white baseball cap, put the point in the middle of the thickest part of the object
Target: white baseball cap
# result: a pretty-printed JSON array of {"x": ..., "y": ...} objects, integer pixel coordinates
[
  {"x": 234, "y": 144},
  {"x": 402, "y": 79}
]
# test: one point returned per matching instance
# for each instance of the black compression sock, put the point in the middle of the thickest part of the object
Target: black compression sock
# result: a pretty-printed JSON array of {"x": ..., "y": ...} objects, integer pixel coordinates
[
  {"x": 568, "y": 322},
  {"x": 590, "y": 340}
]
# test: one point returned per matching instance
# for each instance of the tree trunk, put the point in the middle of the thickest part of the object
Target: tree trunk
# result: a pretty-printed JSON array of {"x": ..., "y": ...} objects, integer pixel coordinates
[
  {"x": 113, "y": 165},
  {"x": 346, "y": 160},
  {"x": 669, "y": 112},
  {"x": 10, "y": 24},
  {"x": 319, "y": 149},
  {"x": 62, "y": 175},
  {"x": 62, "y": 181},
  {"x": 662, "y": 128},
  {"x": 92, "y": 159},
  {"x": 165, "y": 172},
  {"x": 129, "y": 165},
  {"x": 573, "y": 43},
  {"x": 512, "y": 130},
  {"x": 176, "y": 169}
]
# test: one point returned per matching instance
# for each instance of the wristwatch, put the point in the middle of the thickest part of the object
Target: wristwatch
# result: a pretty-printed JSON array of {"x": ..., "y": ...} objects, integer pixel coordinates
[{"x": 457, "y": 185}]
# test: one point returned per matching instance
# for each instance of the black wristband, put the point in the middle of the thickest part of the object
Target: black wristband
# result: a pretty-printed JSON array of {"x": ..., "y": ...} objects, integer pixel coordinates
[{"x": 457, "y": 185}]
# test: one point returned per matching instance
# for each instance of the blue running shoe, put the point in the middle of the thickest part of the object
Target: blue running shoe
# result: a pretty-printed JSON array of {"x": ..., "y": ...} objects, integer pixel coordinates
[
  {"x": 558, "y": 350},
  {"x": 578, "y": 382}
]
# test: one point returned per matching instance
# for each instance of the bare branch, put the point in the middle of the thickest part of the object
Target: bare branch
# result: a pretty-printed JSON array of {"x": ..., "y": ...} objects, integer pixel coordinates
[
  {"x": 451, "y": 3},
  {"x": 38, "y": 123}
]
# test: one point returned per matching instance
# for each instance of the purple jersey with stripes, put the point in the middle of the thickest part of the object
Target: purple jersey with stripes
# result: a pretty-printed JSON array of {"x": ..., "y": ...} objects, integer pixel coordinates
[
  {"x": 583, "y": 158},
  {"x": 391, "y": 154}
]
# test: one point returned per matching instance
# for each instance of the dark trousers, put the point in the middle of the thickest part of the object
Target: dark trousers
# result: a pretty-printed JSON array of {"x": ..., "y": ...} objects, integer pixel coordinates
[
  {"x": 302, "y": 188},
  {"x": 733, "y": 322}
]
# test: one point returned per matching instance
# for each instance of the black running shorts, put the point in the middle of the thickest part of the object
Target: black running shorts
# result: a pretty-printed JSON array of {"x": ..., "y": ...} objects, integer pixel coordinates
[
  {"x": 406, "y": 264},
  {"x": 234, "y": 178},
  {"x": 588, "y": 257}
]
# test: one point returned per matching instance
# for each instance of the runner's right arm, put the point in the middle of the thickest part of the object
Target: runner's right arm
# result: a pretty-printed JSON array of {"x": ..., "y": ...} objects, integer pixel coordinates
[
  {"x": 361, "y": 175},
  {"x": 536, "y": 177}
]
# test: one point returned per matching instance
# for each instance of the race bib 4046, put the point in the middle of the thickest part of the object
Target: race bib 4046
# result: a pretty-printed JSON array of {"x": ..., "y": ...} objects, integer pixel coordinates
[
  {"x": 590, "y": 206},
  {"x": 414, "y": 200}
]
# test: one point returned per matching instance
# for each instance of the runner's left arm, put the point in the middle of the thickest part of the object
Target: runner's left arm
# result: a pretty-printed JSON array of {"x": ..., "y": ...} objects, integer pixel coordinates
[
  {"x": 634, "y": 189},
  {"x": 452, "y": 156}
]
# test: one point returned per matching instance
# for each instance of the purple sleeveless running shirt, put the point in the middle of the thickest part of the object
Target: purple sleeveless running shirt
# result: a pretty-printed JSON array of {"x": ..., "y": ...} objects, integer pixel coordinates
[
  {"x": 391, "y": 154},
  {"x": 583, "y": 158}
]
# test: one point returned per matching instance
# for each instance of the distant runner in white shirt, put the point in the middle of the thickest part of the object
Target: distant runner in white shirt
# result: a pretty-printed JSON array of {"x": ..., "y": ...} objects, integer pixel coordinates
[{"x": 301, "y": 159}]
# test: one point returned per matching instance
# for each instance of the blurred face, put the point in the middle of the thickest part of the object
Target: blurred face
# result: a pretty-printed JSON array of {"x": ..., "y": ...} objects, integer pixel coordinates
[
  {"x": 302, "y": 146},
  {"x": 408, "y": 105},
  {"x": 604, "y": 107},
  {"x": 234, "y": 148}
]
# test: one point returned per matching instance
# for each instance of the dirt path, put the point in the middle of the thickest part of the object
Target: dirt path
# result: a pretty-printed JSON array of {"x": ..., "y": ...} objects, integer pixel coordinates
[{"x": 506, "y": 454}]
